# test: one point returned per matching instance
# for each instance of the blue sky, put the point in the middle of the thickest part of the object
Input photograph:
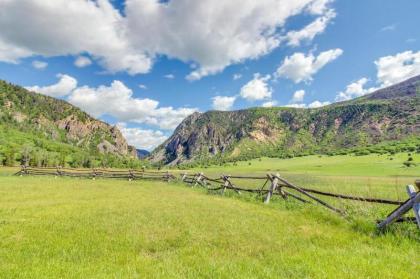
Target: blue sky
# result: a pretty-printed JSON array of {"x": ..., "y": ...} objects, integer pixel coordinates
[{"x": 148, "y": 64}]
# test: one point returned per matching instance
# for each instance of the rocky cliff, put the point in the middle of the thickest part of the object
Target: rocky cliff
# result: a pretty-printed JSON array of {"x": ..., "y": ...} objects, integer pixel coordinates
[
  {"x": 388, "y": 114},
  {"x": 59, "y": 121}
]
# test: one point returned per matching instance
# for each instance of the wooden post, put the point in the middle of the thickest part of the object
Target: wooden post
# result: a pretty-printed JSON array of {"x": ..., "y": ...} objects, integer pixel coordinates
[
  {"x": 183, "y": 177},
  {"x": 225, "y": 184},
  {"x": 416, "y": 206},
  {"x": 200, "y": 180},
  {"x": 93, "y": 174},
  {"x": 418, "y": 184},
  {"x": 274, "y": 182},
  {"x": 290, "y": 185},
  {"x": 396, "y": 214},
  {"x": 197, "y": 179},
  {"x": 130, "y": 175},
  {"x": 167, "y": 176}
]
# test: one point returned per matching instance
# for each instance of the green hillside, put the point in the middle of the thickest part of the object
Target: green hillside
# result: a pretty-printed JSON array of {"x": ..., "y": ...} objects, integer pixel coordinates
[
  {"x": 388, "y": 115},
  {"x": 44, "y": 131}
]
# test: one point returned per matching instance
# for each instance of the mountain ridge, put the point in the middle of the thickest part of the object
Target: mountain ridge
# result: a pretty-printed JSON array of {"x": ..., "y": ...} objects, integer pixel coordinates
[
  {"x": 390, "y": 113},
  {"x": 43, "y": 120}
]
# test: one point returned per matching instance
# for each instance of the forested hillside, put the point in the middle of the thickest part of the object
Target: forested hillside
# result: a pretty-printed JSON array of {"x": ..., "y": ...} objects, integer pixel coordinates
[
  {"x": 389, "y": 117},
  {"x": 44, "y": 131}
]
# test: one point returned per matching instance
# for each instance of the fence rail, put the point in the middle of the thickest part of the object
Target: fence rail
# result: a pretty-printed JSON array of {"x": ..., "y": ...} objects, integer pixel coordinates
[{"x": 273, "y": 185}]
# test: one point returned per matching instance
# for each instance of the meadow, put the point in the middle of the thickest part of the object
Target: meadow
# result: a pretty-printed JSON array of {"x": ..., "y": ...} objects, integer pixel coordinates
[{"x": 79, "y": 228}]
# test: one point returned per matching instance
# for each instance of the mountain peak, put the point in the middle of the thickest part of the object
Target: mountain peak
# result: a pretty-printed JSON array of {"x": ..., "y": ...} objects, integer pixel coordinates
[{"x": 406, "y": 89}]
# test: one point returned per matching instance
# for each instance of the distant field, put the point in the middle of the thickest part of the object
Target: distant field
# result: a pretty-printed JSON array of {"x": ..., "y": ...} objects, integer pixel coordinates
[{"x": 79, "y": 228}]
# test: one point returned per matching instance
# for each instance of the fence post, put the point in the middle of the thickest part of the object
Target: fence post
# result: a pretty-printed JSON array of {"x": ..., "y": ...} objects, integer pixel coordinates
[
  {"x": 404, "y": 208},
  {"x": 183, "y": 176},
  {"x": 200, "y": 180},
  {"x": 225, "y": 184},
  {"x": 93, "y": 174},
  {"x": 167, "y": 176},
  {"x": 274, "y": 182},
  {"x": 416, "y": 206},
  {"x": 130, "y": 175}
]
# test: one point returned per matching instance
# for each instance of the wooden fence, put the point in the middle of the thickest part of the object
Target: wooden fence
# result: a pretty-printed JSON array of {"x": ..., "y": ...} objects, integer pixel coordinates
[{"x": 270, "y": 185}]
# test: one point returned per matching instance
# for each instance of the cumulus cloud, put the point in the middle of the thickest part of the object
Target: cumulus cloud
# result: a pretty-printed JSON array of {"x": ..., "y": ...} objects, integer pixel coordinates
[
  {"x": 355, "y": 89},
  {"x": 82, "y": 61},
  {"x": 223, "y": 102},
  {"x": 257, "y": 88},
  {"x": 40, "y": 65},
  {"x": 391, "y": 69},
  {"x": 318, "y": 104},
  {"x": 61, "y": 27},
  {"x": 300, "y": 67},
  {"x": 308, "y": 33},
  {"x": 63, "y": 87},
  {"x": 269, "y": 104},
  {"x": 397, "y": 68},
  {"x": 298, "y": 96},
  {"x": 315, "y": 104},
  {"x": 117, "y": 100},
  {"x": 142, "y": 138},
  {"x": 211, "y": 34}
]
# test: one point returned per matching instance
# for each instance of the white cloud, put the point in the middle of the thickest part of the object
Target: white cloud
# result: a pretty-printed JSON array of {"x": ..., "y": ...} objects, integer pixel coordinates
[
  {"x": 391, "y": 69},
  {"x": 319, "y": 7},
  {"x": 298, "y": 96},
  {"x": 169, "y": 76},
  {"x": 269, "y": 104},
  {"x": 211, "y": 34},
  {"x": 142, "y": 138},
  {"x": 308, "y": 33},
  {"x": 256, "y": 89},
  {"x": 117, "y": 100},
  {"x": 296, "y": 106},
  {"x": 315, "y": 104},
  {"x": 300, "y": 67},
  {"x": 40, "y": 65},
  {"x": 397, "y": 68},
  {"x": 142, "y": 86},
  {"x": 236, "y": 76},
  {"x": 355, "y": 89},
  {"x": 82, "y": 61},
  {"x": 318, "y": 104},
  {"x": 61, "y": 27},
  {"x": 63, "y": 87},
  {"x": 223, "y": 102}
]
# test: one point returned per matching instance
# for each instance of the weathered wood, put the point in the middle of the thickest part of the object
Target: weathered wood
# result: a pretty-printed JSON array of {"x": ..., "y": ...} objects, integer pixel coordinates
[
  {"x": 347, "y": 197},
  {"x": 274, "y": 181},
  {"x": 198, "y": 180},
  {"x": 310, "y": 196},
  {"x": 401, "y": 211},
  {"x": 183, "y": 176},
  {"x": 295, "y": 196},
  {"x": 416, "y": 206},
  {"x": 226, "y": 183}
]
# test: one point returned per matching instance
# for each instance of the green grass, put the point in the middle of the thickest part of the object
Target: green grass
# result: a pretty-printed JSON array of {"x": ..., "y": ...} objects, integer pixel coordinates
[{"x": 79, "y": 228}]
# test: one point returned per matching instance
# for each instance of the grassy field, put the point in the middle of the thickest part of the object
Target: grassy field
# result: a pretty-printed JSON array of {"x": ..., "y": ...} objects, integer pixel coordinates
[{"x": 79, "y": 228}]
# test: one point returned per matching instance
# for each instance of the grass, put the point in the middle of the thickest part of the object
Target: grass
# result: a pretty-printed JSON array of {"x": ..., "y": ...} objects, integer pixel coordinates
[{"x": 79, "y": 228}]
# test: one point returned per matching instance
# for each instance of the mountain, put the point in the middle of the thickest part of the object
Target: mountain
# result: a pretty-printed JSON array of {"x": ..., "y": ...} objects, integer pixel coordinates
[
  {"x": 51, "y": 131},
  {"x": 388, "y": 114},
  {"x": 141, "y": 153}
]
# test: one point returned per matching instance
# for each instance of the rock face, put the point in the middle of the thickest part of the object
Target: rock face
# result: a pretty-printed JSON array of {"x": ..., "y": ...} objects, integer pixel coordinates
[
  {"x": 387, "y": 114},
  {"x": 59, "y": 121}
]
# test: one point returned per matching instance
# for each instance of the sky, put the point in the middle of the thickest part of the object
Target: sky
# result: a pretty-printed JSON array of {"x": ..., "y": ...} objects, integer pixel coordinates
[{"x": 145, "y": 65}]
